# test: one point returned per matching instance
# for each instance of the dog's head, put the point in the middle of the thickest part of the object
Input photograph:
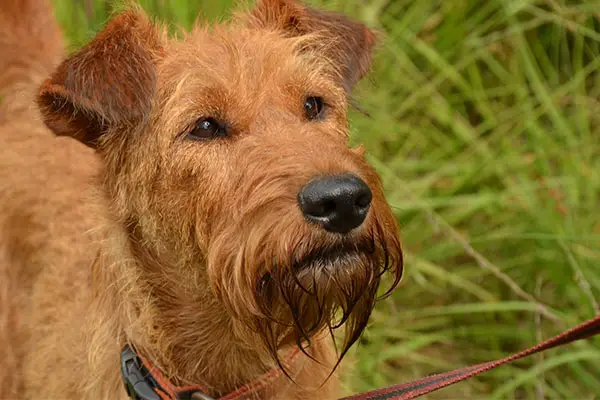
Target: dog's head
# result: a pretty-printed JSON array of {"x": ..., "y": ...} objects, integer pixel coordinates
[{"x": 226, "y": 156}]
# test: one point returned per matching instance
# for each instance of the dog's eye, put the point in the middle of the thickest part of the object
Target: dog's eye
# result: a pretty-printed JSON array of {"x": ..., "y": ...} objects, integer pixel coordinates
[
  {"x": 313, "y": 108},
  {"x": 207, "y": 128}
]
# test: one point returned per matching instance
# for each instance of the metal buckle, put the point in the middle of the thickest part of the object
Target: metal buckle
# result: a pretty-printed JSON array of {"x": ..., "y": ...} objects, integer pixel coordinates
[
  {"x": 201, "y": 396},
  {"x": 193, "y": 395},
  {"x": 136, "y": 383}
]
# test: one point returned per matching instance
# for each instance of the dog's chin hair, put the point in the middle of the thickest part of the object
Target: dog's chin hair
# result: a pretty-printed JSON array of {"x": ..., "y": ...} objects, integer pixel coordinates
[{"x": 299, "y": 302}]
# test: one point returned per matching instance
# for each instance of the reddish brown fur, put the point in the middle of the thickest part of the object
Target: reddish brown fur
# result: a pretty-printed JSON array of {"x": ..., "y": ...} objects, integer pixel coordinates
[
  {"x": 188, "y": 250},
  {"x": 30, "y": 47}
]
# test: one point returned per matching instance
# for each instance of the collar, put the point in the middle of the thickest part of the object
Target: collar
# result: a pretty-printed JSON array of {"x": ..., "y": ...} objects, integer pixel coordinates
[{"x": 143, "y": 381}]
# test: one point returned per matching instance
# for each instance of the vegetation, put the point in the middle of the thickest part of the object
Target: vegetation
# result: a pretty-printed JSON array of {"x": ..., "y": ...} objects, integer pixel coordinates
[{"x": 484, "y": 122}]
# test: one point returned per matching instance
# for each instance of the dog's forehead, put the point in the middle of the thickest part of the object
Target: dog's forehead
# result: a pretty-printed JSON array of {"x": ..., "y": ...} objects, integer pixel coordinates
[
  {"x": 255, "y": 58},
  {"x": 242, "y": 74}
]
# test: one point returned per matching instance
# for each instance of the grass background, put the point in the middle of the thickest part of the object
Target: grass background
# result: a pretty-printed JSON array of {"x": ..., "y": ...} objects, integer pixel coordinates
[{"x": 485, "y": 127}]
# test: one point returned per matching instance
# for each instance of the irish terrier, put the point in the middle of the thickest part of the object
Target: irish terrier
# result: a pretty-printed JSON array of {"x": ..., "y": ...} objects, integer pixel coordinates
[{"x": 208, "y": 226}]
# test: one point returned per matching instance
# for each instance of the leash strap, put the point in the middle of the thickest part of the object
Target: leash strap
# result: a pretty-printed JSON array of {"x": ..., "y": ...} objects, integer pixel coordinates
[{"x": 420, "y": 387}]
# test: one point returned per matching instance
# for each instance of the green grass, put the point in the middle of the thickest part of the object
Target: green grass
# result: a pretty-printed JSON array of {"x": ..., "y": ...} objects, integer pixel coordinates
[{"x": 485, "y": 127}]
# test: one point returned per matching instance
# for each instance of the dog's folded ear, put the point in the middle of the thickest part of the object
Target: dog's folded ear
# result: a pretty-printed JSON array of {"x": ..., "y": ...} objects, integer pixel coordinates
[
  {"x": 108, "y": 82},
  {"x": 349, "y": 43}
]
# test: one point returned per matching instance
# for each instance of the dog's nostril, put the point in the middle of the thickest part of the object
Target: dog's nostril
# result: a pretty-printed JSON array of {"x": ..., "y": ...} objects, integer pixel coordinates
[
  {"x": 364, "y": 200},
  {"x": 329, "y": 207},
  {"x": 338, "y": 203}
]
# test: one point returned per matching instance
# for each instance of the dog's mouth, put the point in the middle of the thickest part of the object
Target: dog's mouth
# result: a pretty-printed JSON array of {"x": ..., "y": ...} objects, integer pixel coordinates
[
  {"x": 337, "y": 259},
  {"x": 328, "y": 259}
]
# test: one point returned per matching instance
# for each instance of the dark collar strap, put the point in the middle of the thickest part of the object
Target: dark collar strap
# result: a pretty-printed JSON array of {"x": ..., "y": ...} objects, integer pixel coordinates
[
  {"x": 146, "y": 382},
  {"x": 143, "y": 382}
]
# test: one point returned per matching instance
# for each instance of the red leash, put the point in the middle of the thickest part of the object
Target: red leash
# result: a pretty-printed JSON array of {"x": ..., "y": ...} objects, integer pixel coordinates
[{"x": 418, "y": 388}]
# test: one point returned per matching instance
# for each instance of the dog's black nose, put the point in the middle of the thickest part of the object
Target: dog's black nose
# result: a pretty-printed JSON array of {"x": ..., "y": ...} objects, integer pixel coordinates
[{"x": 338, "y": 203}]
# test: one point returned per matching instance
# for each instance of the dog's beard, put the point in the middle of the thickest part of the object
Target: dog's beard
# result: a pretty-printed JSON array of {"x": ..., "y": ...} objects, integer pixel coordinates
[
  {"x": 291, "y": 287},
  {"x": 323, "y": 291},
  {"x": 301, "y": 300}
]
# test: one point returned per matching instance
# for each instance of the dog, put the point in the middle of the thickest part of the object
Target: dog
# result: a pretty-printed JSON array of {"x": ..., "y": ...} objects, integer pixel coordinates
[{"x": 184, "y": 218}]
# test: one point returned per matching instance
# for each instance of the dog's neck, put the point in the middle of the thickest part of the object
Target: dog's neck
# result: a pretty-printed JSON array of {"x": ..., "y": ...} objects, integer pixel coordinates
[
  {"x": 194, "y": 341},
  {"x": 180, "y": 327}
]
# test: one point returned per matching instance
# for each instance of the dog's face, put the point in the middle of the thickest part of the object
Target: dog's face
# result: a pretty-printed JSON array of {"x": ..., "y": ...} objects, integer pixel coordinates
[{"x": 228, "y": 152}]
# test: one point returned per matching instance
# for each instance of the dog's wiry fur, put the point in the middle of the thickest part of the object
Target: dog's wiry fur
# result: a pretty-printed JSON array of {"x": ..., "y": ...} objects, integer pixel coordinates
[{"x": 196, "y": 252}]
